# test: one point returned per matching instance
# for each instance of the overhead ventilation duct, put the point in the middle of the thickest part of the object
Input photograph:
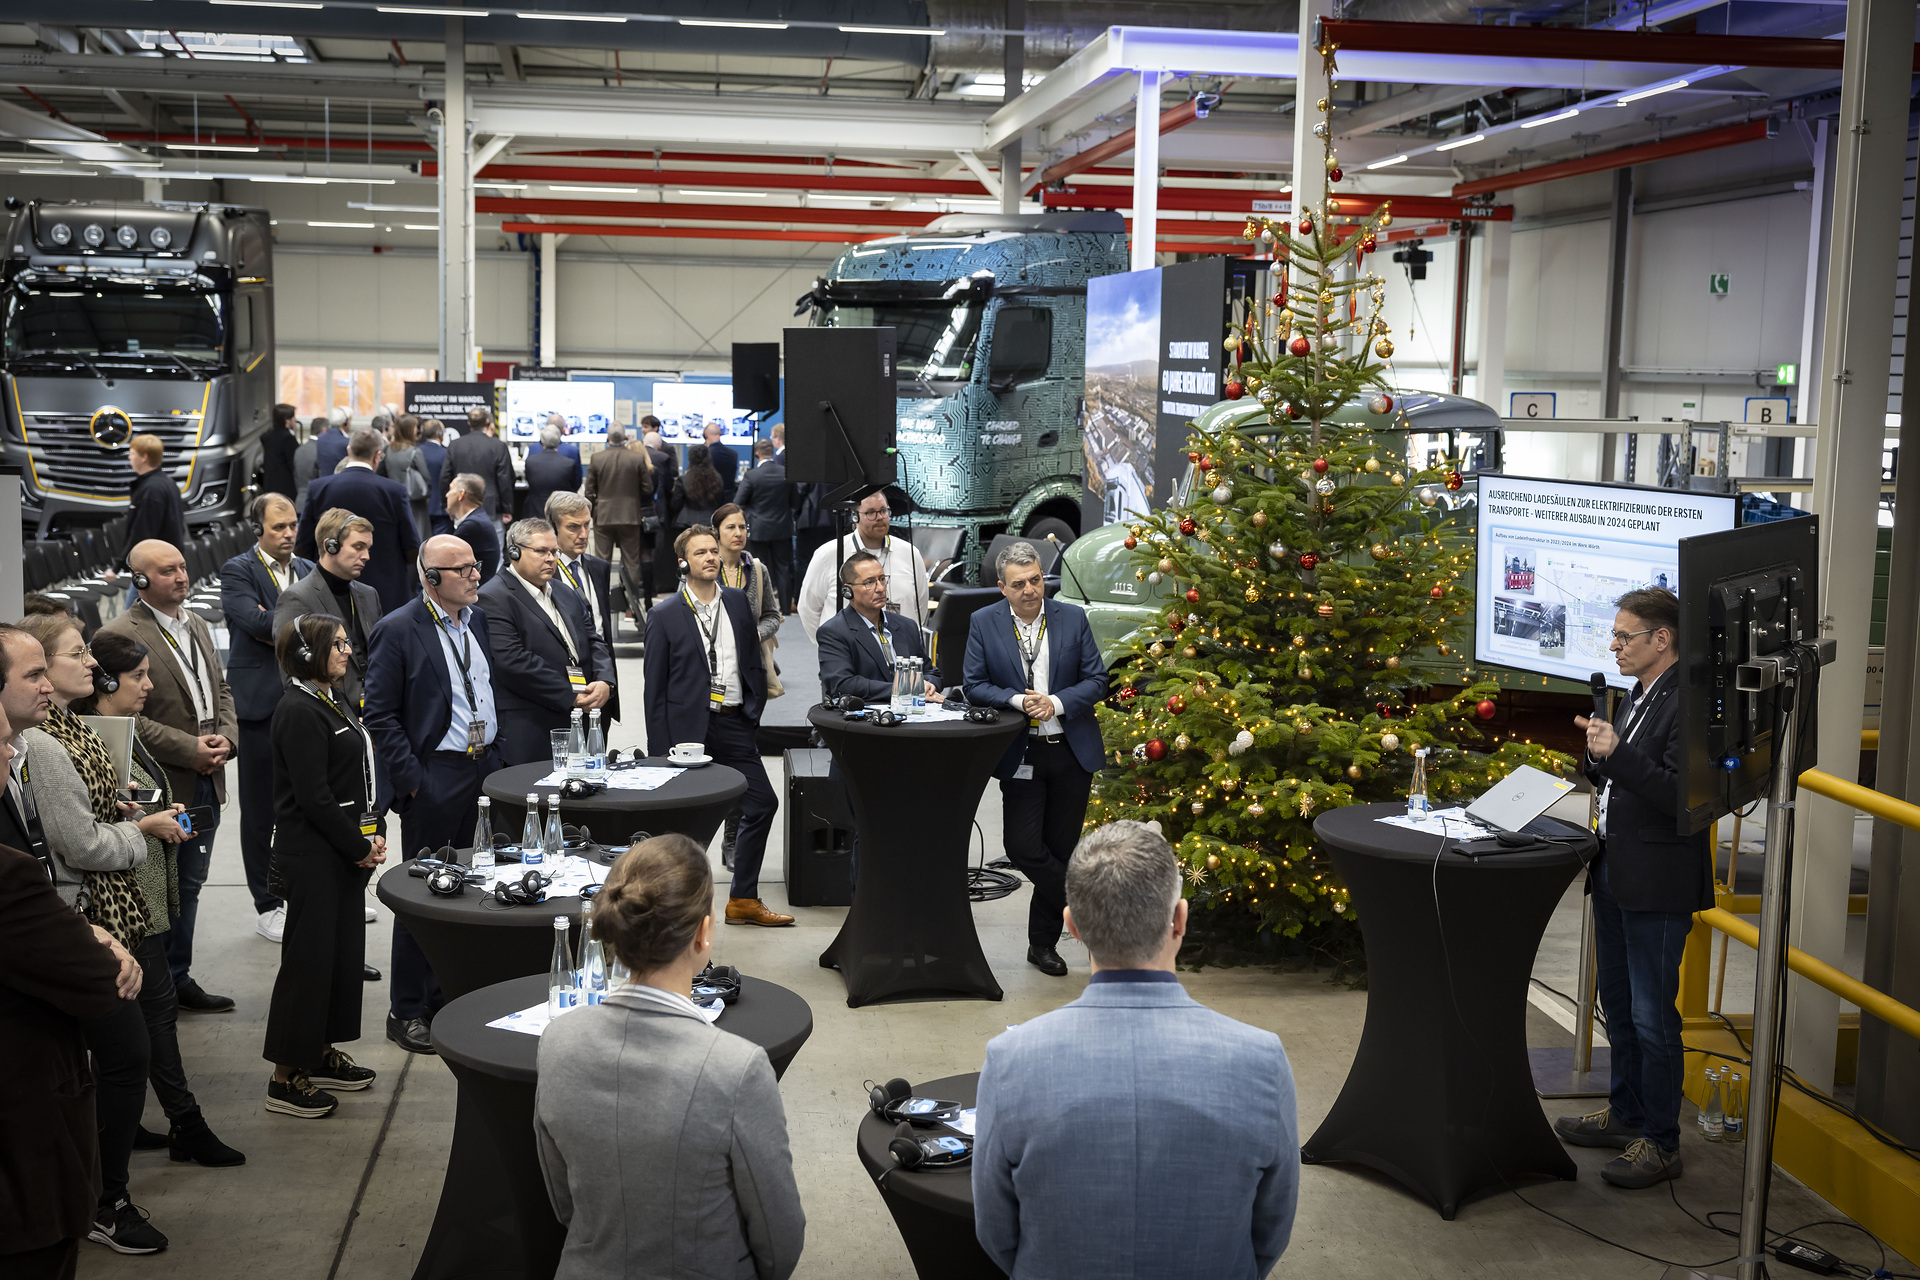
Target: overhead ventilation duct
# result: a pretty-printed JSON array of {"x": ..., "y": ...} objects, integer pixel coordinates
[{"x": 1056, "y": 29}]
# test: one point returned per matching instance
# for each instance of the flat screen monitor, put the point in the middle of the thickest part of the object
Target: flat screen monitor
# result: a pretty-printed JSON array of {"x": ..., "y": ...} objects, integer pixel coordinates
[
  {"x": 1553, "y": 555},
  {"x": 587, "y": 408},
  {"x": 685, "y": 409}
]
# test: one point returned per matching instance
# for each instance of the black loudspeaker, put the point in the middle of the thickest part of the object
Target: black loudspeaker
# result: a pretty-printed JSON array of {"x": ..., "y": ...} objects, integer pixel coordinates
[
  {"x": 756, "y": 376},
  {"x": 819, "y": 853},
  {"x": 853, "y": 371}
]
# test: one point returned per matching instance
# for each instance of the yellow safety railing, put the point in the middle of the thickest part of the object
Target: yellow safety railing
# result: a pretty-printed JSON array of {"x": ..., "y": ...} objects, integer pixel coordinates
[{"x": 1822, "y": 783}]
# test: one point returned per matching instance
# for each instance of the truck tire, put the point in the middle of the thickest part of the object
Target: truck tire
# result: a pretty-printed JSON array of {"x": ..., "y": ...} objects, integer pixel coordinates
[{"x": 1039, "y": 529}]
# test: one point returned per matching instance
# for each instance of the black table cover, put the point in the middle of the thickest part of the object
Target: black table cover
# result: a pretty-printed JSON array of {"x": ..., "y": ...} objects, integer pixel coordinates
[
  {"x": 932, "y": 1208},
  {"x": 495, "y": 1219},
  {"x": 693, "y": 804},
  {"x": 1440, "y": 1097},
  {"x": 471, "y": 941},
  {"x": 915, "y": 788}
]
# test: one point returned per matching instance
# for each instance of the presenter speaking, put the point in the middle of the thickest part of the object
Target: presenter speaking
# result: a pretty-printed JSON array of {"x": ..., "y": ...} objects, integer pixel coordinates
[
  {"x": 1037, "y": 656},
  {"x": 1646, "y": 883},
  {"x": 858, "y": 645},
  {"x": 703, "y": 682}
]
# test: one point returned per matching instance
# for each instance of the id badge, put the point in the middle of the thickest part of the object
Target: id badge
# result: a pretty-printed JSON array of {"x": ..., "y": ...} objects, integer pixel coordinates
[
  {"x": 576, "y": 677},
  {"x": 206, "y": 728},
  {"x": 476, "y": 737},
  {"x": 369, "y": 824},
  {"x": 1023, "y": 774},
  {"x": 716, "y": 692}
]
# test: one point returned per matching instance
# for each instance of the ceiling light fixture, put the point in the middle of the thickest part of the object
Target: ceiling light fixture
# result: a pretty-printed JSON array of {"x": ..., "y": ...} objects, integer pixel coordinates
[
  {"x": 852, "y": 29},
  {"x": 573, "y": 17},
  {"x": 356, "y": 226},
  {"x": 61, "y": 173},
  {"x": 433, "y": 13},
  {"x": 733, "y": 22},
  {"x": 420, "y": 226},
  {"x": 1537, "y": 122},
  {"x": 210, "y": 146},
  {"x": 629, "y": 191},
  {"x": 745, "y": 195},
  {"x": 393, "y": 208},
  {"x": 1648, "y": 93},
  {"x": 502, "y": 186},
  {"x": 288, "y": 180},
  {"x": 1457, "y": 143},
  {"x": 1379, "y": 164},
  {"x": 267, "y": 4}
]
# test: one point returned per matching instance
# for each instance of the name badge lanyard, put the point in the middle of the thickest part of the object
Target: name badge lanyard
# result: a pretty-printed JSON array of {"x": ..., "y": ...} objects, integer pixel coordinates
[
  {"x": 1636, "y": 718},
  {"x": 716, "y": 687},
  {"x": 579, "y": 584},
  {"x": 463, "y": 658},
  {"x": 192, "y": 665},
  {"x": 1031, "y": 659},
  {"x": 369, "y": 821},
  {"x": 273, "y": 575}
]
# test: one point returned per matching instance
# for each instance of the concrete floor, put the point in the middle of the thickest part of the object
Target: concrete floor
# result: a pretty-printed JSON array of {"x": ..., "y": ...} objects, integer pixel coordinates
[{"x": 352, "y": 1196}]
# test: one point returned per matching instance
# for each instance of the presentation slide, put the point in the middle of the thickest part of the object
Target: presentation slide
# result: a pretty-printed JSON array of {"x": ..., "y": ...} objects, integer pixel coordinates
[
  {"x": 587, "y": 407},
  {"x": 685, "y": 409},
  {"x": 1553, "y": 556}
]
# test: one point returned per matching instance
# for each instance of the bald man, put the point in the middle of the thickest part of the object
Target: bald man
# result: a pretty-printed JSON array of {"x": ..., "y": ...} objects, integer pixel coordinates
[{"x": 190, "y": 727}]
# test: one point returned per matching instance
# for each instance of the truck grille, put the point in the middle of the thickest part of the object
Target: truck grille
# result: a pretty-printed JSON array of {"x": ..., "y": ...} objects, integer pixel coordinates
[{"x": 66, "y": 457}]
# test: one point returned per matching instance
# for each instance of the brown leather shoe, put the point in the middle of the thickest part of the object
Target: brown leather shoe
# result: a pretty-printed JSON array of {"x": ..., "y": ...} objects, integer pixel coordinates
[{"x": 753, "y": 911}]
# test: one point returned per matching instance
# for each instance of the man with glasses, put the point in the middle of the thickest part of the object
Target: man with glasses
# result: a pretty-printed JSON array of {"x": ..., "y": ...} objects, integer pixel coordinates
[
  {"x": 906, "y": 571},
  {"x": 858, "y": 645},
  {"x": 1645, "y": 885},
  {"x": 546, "y": 658},
  {"x": 430, "y": 710}
]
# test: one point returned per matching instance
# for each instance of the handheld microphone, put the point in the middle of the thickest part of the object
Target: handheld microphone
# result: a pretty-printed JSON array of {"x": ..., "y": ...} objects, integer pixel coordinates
[
  {"x": 1055, "y": 540},
  {"x": 1598, "y": 682}
]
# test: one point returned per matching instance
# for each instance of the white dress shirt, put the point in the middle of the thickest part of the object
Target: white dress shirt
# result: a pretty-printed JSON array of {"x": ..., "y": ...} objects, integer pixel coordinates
[
  {"x": 906, "y": 581},
  {"x": 281, "y": 574},
  {"x": 713, "y": 618},
  {"x": 192, "y": 663},
  {"x": 545, "y": 597},
  {"x": 1031, "y": 638}
]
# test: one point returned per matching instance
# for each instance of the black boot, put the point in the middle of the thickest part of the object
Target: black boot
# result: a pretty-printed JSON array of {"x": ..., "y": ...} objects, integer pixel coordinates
[
  {"x": 146, "y": 1139},
  {"x": 191, "y": 1139}
]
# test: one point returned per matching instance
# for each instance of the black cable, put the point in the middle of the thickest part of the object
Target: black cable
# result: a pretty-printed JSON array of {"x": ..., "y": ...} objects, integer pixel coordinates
[
  {"x": 1599, "y": 1014},
  {"x": 984, "y": 885}
]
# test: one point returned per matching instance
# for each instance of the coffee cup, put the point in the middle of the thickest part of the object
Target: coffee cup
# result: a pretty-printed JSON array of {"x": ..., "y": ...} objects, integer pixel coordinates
[{"x": 686, "y": 751}]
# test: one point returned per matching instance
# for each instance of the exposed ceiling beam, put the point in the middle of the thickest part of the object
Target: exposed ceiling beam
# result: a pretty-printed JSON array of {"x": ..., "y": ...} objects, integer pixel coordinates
[
  {"x": 1405, "y": 106},
  {"x": 94, "y": 72},
  {"x": 60, "y": 39},
  {"x": 988, "y": 179},
  {"x": 510, "y": 62},
  {"x": 1578, "y": 44},
  {"x": 147, "y": 112},
  {"x": 881, "y": 184},
  {"x": 1622, "y": 157},
  {"x": 1121, "y": 143},
  {"x": 62, "y": 138}
]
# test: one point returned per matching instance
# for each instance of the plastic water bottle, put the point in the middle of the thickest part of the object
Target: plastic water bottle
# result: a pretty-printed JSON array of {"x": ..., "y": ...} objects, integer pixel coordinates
[
  {"x": 1733, "y": 1125},
  {"x": 1713, "y": 1114},
  {"x": 596, "y": 748},
  {"x": 919, "y": 674},
  {"x": 902, "y": 690},
  {"x": 1417, "y": 793},
  {"x": 556, "y": 841},
  {"x": 576, "y": 747},
  {"x": 531, "y": 853},
  {"x": 483, "y": 837},
  {"x": 563, "y": 984}
]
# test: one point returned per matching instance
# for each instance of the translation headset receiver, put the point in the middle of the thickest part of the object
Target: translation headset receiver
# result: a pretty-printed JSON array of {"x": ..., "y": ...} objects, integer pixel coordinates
[
  {"x": 530, "y": 890},
  {"x": 980, "y": 715},
  {"x": 428, "y": 574},
  {"x": 894, "y": 1101},
  {"x": 303, "y": 655},
  {"x": 716, "y": 981},
  {"x": 845, "y": 702},
  {"x": 331, "y": 546},
  {"x": 141, "y": 581},
  {"x": 446, "y": 882},
  {"x": 104, "y": 682},
  {"x": 912, "y": 1150}
]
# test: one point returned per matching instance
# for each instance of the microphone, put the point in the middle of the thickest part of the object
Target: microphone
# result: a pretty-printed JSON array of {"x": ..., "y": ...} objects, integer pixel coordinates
[
  {"x": 1598, "y": 682},
  {"x": 1055, "y": 540}
]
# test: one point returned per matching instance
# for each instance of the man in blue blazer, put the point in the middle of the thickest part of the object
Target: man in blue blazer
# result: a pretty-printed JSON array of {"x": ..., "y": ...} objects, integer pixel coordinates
[
  {"x": 383, "y": 502},
  {"x": 704, "y": 682},
  {"x": 330, "y": 448},
  {"x": 546, "y": 659},
  {"x": 431, "y": 712},
  {"x": 250, "y": 587},
  {"x": 433, "y": 449},
  {"x": 587, "y": 575},
  {"x": 1106, "y": 1144},
  {"x": 469, "y": 522},
  {"x": 858, "y": 644},
  {"x": 1037, "y": 657}
]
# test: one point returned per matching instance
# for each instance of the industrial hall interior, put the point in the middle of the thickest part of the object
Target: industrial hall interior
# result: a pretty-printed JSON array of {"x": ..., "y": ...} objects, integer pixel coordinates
[{"x": 951, "y": 639}]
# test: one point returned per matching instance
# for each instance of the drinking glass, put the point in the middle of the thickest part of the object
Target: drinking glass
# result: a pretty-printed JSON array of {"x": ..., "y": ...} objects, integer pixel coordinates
[{"x": 559, "y": 739}]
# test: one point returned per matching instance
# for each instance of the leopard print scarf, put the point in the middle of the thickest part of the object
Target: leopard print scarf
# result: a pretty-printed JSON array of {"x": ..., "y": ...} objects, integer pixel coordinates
[{"x": 110, "y": 899}]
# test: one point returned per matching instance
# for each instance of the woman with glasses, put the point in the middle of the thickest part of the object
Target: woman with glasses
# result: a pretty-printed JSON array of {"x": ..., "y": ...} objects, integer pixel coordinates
[
  {"x": 327, "y": 839},
  {"x": 743, "y": 573}
]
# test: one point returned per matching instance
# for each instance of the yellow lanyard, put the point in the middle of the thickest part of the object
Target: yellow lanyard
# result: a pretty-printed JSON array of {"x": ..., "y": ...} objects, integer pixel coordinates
[{"x": 272, "y": 576}]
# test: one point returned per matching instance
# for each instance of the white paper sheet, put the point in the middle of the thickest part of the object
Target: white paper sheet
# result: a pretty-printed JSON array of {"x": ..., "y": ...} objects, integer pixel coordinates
[
  {"x": 645, "y": 778},
  {"x": 528, "y": 1021},
  {"x": 964, "y": 1122},
  {"x": 1452, "y": 823}
]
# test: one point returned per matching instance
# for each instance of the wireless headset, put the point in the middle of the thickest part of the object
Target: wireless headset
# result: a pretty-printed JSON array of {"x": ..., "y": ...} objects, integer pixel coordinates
[
  {"x": 304, "y": 654},
  {"x": 845, "y": 702},
  {"x": 912, "y": 1150},
  {"x": 446, "y": 881},
  {"x": 716, "y": 981},
  {"x": 428, "y": 574},
  {"x": 981, "y": 715},
  {"x": 893, "y": 1101},
  {"x": 257, "y": 514},
  {"x": 529, "y": 891}
]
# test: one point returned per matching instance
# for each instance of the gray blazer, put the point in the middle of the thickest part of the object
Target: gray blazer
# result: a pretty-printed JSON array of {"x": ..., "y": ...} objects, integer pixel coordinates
[
  {"x": 1135, "y": 1134},
  {"x": 664, "y": 1146},
  {"x": 312, "y": 595},
  {"x": 76, "y": 839}
]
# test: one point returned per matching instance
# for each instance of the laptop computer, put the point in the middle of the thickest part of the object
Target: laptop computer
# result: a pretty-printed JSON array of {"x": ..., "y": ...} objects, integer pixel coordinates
[{"x": 1517, "y": 799}]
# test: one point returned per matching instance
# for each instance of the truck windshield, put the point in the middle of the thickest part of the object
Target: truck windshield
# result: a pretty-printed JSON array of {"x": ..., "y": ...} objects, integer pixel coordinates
[
  {"x": 113, "y": 321},
  {"x": 935, "y": 337}
]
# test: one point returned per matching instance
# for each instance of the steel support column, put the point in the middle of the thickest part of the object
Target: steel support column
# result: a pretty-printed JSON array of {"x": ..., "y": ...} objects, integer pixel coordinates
[
  {"x": 1015, "y": 63},
  {"x": 1813, "y": 321},
  {"x": 549, "y": 301},
  {"x": 1490, "y": 329},
  {"x": 1619, "y": 229},
  {"x": 1855, "y": 363},
  {"x": 456, "y": 215},
  {"x": 1309, "y": 87},
  {"x": 1146, "y": 170},
  {"x": 1462, "y": 273}
]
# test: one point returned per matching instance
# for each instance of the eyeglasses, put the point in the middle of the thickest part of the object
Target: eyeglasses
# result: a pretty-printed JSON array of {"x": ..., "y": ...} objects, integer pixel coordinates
[
  {"x": 81, "y": 652},
  {"x": 879, "y": 581},
  {"x": 1622, "y": 637},
  {"x": 343, "y": 645},
  {"x": 468, "y": 570}
]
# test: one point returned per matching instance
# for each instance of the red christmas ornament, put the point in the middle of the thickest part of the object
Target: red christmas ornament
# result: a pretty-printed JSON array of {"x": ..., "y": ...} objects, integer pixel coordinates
[
  {"x": 1333, "y": 175},
  {"x": 1300, "y": 346},
  {"x": 1453, "y": 480},
  {"x": 1176, "y": 704},
  {"x": 1187, "y": 526},
  {"x": 1193, "y": 457},
  {"x": 1437, "y": 592},
  {"x": 1128, "y": 693},
  {"x": 1306, "y": 226},
  {"x": 1308, "y": 560},
  {"x": 1193, "y": 595},
  {"x": 1130, "y": 542},
  {"x": 1325, "y": 611},
  {"x": 1293, "y": 411},
  {"x": 1177, "y": 622},
  {"x": 1206, "y": 464},
  {"x": 1280, "y": 296},
  {"x": 1485, "y": 709},
  {"x": 1156, "y": 750},
  {"x": 1368, "y": 243},
  {"x": 1236, "y": 389},
  {"x": 1320, "y": 466}
]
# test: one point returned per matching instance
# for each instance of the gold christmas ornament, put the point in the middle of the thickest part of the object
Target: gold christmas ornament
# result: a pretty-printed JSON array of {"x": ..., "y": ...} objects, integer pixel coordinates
[
  {"x": 1393, "y": 662},
  {"x": 1259, "y": 519},
  {"x": 1323, "y": 104},
  {"x": 1386, "y": 219},
  {"x": 1189, "y": 652},
  {"x": 1213, "y": 862},
  {"x": 1389, "y": 741},
  {"x": 1303, "y": 727},
  {"x": 1353, "y": 771},
  {"x": 1396, "y": 479},
  {"x": 1333, "y": 161},
  {"x": 1255, "y": 809},
  {"x": 1228, "y": 784},
  {"x": 1378, "y": 551},
  {"x": 1156, "y": 649},
  {"x": 1384, "y": 348},
  {"x": 1165, "y": 566},
  {"x": 1373, "y": 466},
  {"x": 1139, "y": 575},
  {"x": 1182, "y": 742},
  {"x": 1253, "y": 595},
  {"x": 1445, "y": 650},
  {"x": 1199, "y": 807}
]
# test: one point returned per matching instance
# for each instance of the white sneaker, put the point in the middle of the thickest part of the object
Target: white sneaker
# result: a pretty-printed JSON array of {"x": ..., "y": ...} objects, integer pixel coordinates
[
  {"x": 372, "y": 915},
  {"x": 272, "y": 924}
]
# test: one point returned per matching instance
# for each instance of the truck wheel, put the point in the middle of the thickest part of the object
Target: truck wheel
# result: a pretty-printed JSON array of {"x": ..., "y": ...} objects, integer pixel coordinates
[{"x": 1039, "y": 529}]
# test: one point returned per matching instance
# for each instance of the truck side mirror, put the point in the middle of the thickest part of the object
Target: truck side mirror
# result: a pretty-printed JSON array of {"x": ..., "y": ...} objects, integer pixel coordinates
[{"x": 1022, "y": 347}]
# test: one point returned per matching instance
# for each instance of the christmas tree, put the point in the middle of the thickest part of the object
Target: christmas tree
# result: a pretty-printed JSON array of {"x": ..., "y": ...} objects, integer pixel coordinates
[{"x": 1319, "y": 591}]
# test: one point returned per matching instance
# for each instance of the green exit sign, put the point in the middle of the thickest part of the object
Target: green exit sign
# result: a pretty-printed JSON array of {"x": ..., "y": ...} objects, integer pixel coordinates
[
  {"x": 1718, "y": 283},
  {"x": 1786, "y": 375}
]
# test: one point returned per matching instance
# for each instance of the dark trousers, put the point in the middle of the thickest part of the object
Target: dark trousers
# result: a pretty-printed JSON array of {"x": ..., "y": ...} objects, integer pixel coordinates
[
  {"x": 627, "y": 537},
  {"x": 316, "y": 997},
  {"x": 256, "y": 809},
  {"x": 443, "y": 813},
  {"x": 196, "y": 857},
  {"x": 120, "y": 1051},
  {"x": 160, "y": 1010},
  {"x": 730, "y": 742},
  {"x": 1041, "y": 819},
  {"x": 58, "y": 1261},
  {"x": 1638, "y": 955},
  {"x": 777, "y": 555}
]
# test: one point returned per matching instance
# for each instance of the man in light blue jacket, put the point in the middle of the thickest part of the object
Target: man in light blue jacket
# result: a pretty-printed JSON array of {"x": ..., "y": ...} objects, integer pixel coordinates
[{"x": 1134, "y": 1134}]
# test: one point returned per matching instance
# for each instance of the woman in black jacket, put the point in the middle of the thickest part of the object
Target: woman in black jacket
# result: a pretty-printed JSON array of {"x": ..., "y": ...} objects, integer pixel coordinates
[{"x": 327, "y": 838}]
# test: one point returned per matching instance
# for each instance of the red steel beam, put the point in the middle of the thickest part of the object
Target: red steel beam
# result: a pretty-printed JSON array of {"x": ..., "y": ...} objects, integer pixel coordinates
[
  {"x": 1584, "y": 44},
  {"x": 1172, "y": 118},
  {"x": 1620, "y": 158},
  {"x": 1238, "y": 202},
  {"x": 879, "y": 184}
]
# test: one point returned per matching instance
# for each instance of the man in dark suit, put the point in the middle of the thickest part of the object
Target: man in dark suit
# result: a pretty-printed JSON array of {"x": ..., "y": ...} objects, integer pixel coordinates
[
  {"x": 470, "y": 523},
  {"x": 330, "y": 450},
  {"x": 590, "y": 577},
  {"x": 858, "y": 644},
  {"x": 549, "y": 471},
  {"x": 277, "y": 447},
  {"x": 620, "y": 487},
  {"x": 724, "y": 460},
  {"x": 1645, "y": 884},
  {"x": 666, "y": 470},
  {"x": 433, "y": 451},
  {"x": 704, "y": 682},
  {"x": 430, "y": 709},
  {"x": 546, "y": 659},
  {"x": 767, "y": 499},
  {"x": 380, "y": 501},
  {"x": 336, "y": 588},
  {"x": 250, "y": 587},
  {"x": 479, "y": 452},
  {"x": 1037, "y": 657},
  {"x": 155, "y": 508},
  {"x": 559, "y": 424}
]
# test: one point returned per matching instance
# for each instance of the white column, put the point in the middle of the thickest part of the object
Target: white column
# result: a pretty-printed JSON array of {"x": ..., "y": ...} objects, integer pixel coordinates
[
  {"x": 1146, "y": 170},
  {"x": 549, "y": 299},
  {"x": 1855, "y": 361},
  {"x": 1309, "y": 86},
  {"x": 1819, "y": 231},
  {"x": 456, "y": 216},
  {"x": 1490, "y": 332}
]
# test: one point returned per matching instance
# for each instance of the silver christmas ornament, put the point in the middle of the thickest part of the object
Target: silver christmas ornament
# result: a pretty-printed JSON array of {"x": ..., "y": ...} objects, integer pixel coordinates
[
  {"x": 1323, "y": 486},
  {"x": 1222, "y": 495},
  {"x": 1153, "y": 579},
  {"x": 1277, "y": 549}
]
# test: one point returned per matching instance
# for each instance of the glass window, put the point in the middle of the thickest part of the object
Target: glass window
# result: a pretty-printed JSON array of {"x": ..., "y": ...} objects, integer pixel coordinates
[
  {"x": 124, "y": 323},
  {"x": 393, "y": 384},
  {"x": 304, "y": 386},
  {"x": 353, "y": 391},
  {"x": 935, "y": 339}
]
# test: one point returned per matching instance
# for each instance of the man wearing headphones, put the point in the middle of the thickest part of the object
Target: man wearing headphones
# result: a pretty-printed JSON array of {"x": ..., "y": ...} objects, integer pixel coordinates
[
  {"x": 250, "y": 587},
  {"x": 906, "y": 571},
  {"x": 431, "y": 711},
  {"x": 470, "y": 523},
  {"x": 858, "y": 645},
  {"x": 346, "y": 543},
  {"x": 704, "y": 682},
  {"x": 546, "y": 658}
]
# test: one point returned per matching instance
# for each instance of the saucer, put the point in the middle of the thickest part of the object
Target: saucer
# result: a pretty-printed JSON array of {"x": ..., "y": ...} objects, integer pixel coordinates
[{"x": 689, "y": 762}]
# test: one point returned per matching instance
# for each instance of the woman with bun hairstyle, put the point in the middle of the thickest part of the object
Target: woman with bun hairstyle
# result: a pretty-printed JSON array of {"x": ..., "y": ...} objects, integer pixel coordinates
[{"x": 662, "y": 1136}]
